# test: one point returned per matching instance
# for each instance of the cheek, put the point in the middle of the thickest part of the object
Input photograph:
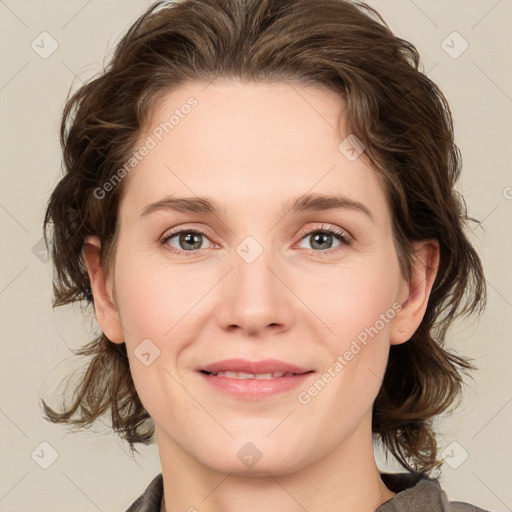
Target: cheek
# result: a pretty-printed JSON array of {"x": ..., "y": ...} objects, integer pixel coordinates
[
  {"x": 358, "y": 312},
  {"x": 156, "y": 298},
  {"x": 155, "y": 306},
  {"x": 351, "y": 298},
  {"x": 358, "y": 305},
  {"x": 159, "y": 303}
]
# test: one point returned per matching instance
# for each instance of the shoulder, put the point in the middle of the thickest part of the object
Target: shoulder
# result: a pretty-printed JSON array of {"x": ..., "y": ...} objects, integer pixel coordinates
[
  {"x": 416, "y": 492},
  {"x": 150, "y": 499}
]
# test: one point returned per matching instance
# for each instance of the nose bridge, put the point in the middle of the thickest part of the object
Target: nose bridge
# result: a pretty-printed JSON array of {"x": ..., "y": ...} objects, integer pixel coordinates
[{"x": 253, "y": 297}]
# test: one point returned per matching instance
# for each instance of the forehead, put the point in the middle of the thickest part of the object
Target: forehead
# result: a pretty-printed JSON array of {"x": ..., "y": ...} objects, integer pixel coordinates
[{"x": 253, "y": 144}]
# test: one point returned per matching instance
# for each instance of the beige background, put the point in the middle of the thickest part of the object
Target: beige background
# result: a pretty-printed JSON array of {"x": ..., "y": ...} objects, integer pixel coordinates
[{"x": 93, "y": 471}]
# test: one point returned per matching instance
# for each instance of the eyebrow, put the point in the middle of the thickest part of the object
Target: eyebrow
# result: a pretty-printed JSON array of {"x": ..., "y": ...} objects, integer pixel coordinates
[{"x": 303, "y": 203}]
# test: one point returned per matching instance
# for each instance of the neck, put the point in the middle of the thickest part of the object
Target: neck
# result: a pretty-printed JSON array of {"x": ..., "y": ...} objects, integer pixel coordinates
[{"x": 345, "y": 480}]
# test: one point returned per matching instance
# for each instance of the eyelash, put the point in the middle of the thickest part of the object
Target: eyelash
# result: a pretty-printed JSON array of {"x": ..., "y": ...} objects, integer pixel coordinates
[{"x": 342, "y": 236}]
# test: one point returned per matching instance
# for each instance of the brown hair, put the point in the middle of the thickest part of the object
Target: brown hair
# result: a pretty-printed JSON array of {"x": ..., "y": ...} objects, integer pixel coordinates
[{"x": 395, "y": 110}]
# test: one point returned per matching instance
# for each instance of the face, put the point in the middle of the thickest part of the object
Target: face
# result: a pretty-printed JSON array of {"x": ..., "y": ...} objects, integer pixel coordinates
[{"x": 317, "y": 286}]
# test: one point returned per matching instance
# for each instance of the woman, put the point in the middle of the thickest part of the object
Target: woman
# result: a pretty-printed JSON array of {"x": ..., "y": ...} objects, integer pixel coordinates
[{"x": 259, "y": 204}]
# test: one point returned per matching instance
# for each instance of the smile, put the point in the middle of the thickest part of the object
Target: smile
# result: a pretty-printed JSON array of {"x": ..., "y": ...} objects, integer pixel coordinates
[
  {"x": 244, "y": 375},
  {"x": 253, "y": 386}
]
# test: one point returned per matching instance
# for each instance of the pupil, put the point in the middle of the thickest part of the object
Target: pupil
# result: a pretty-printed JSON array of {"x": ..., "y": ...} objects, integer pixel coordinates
[
  {"x": 191, "y": 238},
  {"x": 319, "y": 240}
]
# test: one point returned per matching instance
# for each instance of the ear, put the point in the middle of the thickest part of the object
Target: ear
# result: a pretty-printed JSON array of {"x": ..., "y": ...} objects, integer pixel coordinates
[
  {"x": 105, "y": 309},
  {"x": 414, "y": 295}
]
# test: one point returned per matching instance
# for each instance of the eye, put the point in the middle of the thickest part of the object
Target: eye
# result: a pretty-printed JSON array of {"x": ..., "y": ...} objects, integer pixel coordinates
[
  {"x": 187, "y": 240},
  {"x": 321, "y": 239}
]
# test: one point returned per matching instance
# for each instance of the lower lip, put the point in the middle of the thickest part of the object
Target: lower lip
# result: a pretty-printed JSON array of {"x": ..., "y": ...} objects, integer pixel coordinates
[{"x": 255, "y": 389}]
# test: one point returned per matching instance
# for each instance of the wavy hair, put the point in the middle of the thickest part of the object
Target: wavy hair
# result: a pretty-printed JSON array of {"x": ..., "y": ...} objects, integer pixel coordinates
[{"x": 396, "y": 111}]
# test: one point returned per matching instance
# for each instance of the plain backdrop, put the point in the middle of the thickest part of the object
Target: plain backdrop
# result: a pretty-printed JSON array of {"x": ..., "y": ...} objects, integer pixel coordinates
[{"x": 465, "y": 47}]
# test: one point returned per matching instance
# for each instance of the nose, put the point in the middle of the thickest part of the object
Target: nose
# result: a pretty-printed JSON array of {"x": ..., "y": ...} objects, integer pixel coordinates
[{"x": 254, "y": 297}]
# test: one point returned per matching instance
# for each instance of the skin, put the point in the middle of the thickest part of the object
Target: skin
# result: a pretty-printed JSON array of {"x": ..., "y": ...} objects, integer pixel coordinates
[{"x": 252, "y": 148}]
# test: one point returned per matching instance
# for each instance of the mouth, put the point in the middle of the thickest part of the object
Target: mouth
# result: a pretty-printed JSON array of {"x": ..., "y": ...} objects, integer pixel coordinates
[
  {"x": 246, "y": 380},
  {"x": 258, "y": 376},
  {"x": 245, "y": 369}
]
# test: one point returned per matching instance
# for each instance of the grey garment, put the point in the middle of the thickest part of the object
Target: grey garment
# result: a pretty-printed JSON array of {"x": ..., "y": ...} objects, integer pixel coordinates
[
  {"x": 151, "y": 499},
  {"x": 415, "y": 493}
]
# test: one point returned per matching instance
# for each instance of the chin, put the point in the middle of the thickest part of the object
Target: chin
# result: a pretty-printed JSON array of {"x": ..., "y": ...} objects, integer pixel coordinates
[{"x": 256, "y": 457}]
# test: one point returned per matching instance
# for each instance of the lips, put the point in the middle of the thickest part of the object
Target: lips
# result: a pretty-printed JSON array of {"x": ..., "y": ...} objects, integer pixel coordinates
[
  {"x": 246, "y": 375},
  {"x": 254, "y": 380},
  {"x": 241, "y": 368}
]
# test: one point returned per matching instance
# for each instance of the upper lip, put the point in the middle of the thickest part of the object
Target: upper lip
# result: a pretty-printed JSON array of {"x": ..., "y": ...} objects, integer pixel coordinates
[{"x": 242, "y": 365}]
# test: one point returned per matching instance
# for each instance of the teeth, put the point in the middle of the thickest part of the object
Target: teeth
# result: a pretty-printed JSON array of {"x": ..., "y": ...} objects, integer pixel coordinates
[{"x": 243, "y": 375}]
